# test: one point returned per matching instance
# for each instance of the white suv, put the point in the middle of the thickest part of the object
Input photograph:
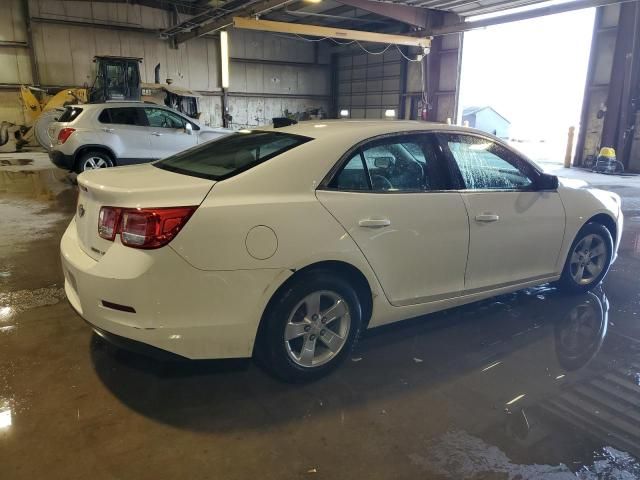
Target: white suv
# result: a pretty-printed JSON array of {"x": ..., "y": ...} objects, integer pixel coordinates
[{"x": 91, "y": 136}]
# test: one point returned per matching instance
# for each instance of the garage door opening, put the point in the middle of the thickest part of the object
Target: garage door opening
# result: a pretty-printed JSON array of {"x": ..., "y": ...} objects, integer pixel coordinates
[{"x": 524, "y": 81}]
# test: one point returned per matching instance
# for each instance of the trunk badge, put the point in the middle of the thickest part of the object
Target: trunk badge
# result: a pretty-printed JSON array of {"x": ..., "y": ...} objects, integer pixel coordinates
[{"x": 80, "y": 211}]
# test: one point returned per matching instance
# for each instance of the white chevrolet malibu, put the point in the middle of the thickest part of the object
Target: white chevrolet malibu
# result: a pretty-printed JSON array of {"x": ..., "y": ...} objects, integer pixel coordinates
[{"x": 286, "y": 243}]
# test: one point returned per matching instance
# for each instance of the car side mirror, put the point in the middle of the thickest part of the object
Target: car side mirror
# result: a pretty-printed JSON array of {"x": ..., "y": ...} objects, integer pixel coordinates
[
  {"x": 547, "y": 182},
  {"x": 383, "y": 162},
  {"x": 188, "y": 129}
]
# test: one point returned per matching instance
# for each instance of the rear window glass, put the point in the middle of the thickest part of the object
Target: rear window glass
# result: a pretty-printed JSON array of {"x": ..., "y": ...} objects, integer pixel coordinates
[
  {"x": 120, "y": 116},
  {"x": 70, "y": 114},
  {"x": 231, "y": 154}
]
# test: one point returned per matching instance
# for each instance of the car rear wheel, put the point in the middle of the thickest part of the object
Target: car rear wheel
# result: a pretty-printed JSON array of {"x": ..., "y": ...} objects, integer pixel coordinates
[
  {"x": 310, "y": 327},
  {"x": 93, "y": 160},
  {"x": 588, "y": 260}
]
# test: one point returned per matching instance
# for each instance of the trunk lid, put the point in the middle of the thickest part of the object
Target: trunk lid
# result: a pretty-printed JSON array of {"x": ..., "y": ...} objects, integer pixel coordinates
[{"x": 140, "y": 186}]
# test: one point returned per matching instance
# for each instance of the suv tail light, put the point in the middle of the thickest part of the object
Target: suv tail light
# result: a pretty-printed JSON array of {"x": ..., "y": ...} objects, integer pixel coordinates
[
  {"x": 64, "y": 134},
  {"x": 143, "y": 227}
]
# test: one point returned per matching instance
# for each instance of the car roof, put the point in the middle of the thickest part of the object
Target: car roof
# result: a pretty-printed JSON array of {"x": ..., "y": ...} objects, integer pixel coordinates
[
  {"x": 118, "y": 105},
  {"x": 362, "y": 129}
]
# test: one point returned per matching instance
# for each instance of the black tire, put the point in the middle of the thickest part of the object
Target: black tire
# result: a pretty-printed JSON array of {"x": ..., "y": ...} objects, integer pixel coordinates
[
  {"x": 97, "y": 157},
  {"x": 272, "y": 350},
  {"x": 568, "y": 281}
]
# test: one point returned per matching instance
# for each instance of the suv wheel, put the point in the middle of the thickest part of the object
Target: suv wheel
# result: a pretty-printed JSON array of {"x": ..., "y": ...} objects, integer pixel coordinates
[
  {"x": 93, "y": 160},
  {"x": 311, "y": 327}
]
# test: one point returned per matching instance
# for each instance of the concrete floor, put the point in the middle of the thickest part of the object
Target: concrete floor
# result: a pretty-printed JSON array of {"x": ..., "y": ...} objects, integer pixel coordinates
[{"x": 528, "y": 385}]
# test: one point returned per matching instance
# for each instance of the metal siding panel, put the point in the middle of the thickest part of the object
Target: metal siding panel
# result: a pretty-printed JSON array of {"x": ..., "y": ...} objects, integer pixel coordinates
[
  {"x": 53, "y": 57},
  {"x": 238, "y": 77},
  {"x": 374, "y": 86},
  {"x": 81, "y": 55},
  {"x": 610, "y": 16},
  {"x": 392, "y": 100},
  {"x": 374, "y": 99},
  {"x": 604, "y": 58},
  {"x": 198, "y": 73},
  {"x": 358, "y": 100},
  {"x": 414, "y": 77},
  {"x": 254, "y": 81},
  {"x": 213, "y": 60},
  {"x": 391, "y": 84},
  {"x": 448, "y": 73},
  {"x": 358, "y": 87}
]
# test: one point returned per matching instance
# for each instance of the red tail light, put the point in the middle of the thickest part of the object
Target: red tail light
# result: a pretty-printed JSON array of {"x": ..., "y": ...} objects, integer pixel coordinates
[
  {"x": 64, "y": 134},
  {"x": 143, "y": 227}
]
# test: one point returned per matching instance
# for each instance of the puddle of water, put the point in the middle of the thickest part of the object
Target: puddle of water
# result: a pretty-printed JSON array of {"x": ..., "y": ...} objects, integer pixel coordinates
[
  {"x": 12, "y": 303},
  {"x": 458, "y": 454},
  {"x": 6, "y": 162},
  {"x": 43, "y": 185}
]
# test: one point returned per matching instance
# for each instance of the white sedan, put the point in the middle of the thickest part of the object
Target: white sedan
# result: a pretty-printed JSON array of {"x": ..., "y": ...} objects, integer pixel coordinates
[{"x": 285, "y": 243}]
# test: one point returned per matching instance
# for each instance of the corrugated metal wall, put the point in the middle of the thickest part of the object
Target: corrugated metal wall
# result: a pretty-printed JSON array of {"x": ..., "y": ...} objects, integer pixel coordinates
[{"x": 294, "y": 75}]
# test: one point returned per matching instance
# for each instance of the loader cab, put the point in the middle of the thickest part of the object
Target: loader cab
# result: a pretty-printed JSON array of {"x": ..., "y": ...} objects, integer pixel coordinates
[{"x": 117, "y": 79}]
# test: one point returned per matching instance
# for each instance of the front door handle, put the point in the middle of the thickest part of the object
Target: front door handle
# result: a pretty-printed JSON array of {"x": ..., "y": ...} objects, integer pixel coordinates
[
  {"x": 108, "y": 130},
  {"x": 374, "y": 222},
  {"x": 156, "y": 134},
  {"x": 487, "y": 218}
]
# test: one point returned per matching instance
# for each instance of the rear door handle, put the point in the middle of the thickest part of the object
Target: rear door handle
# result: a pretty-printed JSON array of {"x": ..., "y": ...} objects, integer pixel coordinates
[
  {"x": 108, "y": 130},
  {"x": 374, "y": 222},
  {"x": 156, "y": 134},
  {"x": 487, "y": 218}
]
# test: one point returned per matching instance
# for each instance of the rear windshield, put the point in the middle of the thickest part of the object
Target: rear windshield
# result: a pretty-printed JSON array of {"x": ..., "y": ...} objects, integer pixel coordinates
[
  {"x": 70, "y": 114},
  {"x": 231, "y": 154}
]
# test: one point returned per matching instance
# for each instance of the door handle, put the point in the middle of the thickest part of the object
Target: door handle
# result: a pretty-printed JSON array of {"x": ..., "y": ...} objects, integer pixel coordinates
[
  {"x": 108, "y": 130},
  {"x": 487, "y": 218},
  {"x": 374, "y": 222},
  {"x": 156, "y": 134}
]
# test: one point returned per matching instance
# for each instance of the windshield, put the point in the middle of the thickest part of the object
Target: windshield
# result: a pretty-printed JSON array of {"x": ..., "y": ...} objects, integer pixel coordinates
[{"x": 231, "y": 154}]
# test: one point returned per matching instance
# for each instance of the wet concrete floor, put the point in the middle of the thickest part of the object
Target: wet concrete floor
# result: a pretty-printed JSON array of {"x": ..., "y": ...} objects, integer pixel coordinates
[{"x": 529, "y": 385}]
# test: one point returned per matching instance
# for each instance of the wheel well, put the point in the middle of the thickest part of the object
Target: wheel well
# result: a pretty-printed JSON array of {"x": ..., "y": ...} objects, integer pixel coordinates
[
  {"x": 94, "y": 148},
  {"x": 355, "y": 277},
  {"x": 607, "y": 222}
]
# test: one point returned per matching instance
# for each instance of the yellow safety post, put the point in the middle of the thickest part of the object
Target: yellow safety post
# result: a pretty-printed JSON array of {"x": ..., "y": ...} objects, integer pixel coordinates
[{"x": 569, "y": 152}]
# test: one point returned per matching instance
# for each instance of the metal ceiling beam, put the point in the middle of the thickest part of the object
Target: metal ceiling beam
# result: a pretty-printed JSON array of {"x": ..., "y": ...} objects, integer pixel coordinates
[
  {"x": 328, "y": 32},
  {"x": 515, "y": 17},
  {"x": 224, "y": 21},
  {"x": 414, "y": 16},
  {"x": 298, "y": 13}
]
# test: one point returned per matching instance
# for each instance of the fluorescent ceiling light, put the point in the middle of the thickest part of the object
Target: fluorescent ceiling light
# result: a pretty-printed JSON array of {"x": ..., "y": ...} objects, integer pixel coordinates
[{"x": 224, "y": 58}]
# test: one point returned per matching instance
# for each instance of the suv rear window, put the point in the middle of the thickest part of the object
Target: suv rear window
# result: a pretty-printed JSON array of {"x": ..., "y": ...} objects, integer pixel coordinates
[
  {"x": 121, "y": 116},
  {"x": 231, "y": 154},
  {"x": 70, "y": 114}
]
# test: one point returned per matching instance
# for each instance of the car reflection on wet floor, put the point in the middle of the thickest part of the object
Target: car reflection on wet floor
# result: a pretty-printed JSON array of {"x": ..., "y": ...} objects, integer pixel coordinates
[{"x": 534, "y": 384}]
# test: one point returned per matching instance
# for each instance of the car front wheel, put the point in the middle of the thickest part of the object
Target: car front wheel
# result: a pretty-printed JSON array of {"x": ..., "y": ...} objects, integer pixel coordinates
[
  {"x": 588, "y": 260},
  {"x": 310, "y": 328},
  {"x": 92, "y": 161}
]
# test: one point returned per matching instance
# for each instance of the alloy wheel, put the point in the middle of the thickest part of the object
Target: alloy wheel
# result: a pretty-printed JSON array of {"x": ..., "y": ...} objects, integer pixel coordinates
[
  {"x": 93, "y": 163},
  {"x": 588, "y": 259},
  {"x": 317, "y": 328}
]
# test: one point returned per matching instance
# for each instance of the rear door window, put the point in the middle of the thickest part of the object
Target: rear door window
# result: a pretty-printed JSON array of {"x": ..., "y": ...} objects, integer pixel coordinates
[
  {"x": 231, "y": 154},
  {"x": 122, "y": 116},
  {"x": 404, "y": 163}
]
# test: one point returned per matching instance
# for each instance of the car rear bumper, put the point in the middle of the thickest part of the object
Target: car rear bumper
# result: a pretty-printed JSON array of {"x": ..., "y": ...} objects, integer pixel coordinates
[
  {"x": 168, "y": 304},
  {"x": 61, "y": 160}
]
